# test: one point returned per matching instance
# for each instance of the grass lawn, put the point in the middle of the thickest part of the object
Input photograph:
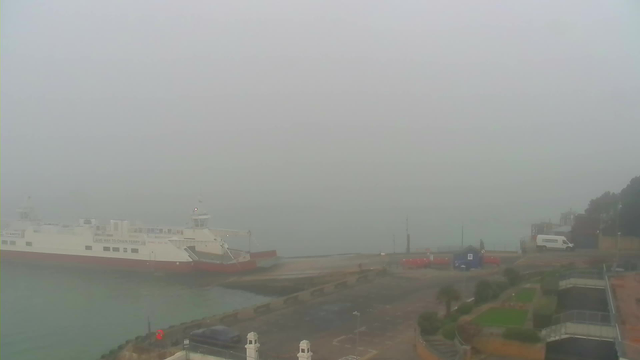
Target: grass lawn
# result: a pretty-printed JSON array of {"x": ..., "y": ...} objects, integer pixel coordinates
[
  {"x": 525, "y": 295},
  {"x": 502, "y": 317}
]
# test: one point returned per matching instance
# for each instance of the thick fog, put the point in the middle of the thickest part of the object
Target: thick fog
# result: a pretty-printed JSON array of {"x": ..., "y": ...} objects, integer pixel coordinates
[{"x": 320, "y": 125}]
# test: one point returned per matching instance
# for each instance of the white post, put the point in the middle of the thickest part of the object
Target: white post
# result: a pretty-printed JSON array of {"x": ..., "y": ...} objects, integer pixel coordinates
[
  {"x": 252, "y": 346},
  {"x": 305, "y": 350},
  {"x": 618, "y": 250},
  {"x": 185, "y": 347},
  {"x": 357, "y": 331}
]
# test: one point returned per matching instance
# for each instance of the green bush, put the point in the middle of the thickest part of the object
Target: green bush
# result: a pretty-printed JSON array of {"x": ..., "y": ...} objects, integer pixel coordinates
[
  {"x": 512, "y": 275},
  {"x": 532, "y": 274},
  {"x": 520, "y": 334},
  {"x": 549, "y": 284},
  {"x": 429, "y": 323},
  {"x": 484, "y": 292},
  {"x": 452, "y": 318},
  {"x": 543, "y": 311},
  {"x": 499, "y": 287},
  {"x": 465, "y": 308},
  {"x": 449, "y": 331}
]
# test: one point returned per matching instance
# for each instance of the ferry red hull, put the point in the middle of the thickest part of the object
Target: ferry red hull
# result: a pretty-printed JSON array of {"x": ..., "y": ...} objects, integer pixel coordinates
[
  {"x": 127, "y": 264},
  {"x": 228, "y": 268}
]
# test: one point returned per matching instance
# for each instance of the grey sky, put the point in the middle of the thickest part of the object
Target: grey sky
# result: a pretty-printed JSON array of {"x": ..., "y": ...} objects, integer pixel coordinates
[{"x": 320, "y": 125}]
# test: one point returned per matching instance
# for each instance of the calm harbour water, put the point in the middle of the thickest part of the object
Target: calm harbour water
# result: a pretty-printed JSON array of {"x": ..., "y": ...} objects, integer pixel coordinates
[{"x": 57, "y": 313}]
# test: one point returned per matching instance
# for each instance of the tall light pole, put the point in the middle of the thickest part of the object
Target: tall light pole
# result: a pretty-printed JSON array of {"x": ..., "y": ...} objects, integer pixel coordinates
[
  {"x": 408, "y": 238},
  {"x": 618, "y": 250},
  {"x": 357, "y": 331},
  {"x": 618, "y": 231}
]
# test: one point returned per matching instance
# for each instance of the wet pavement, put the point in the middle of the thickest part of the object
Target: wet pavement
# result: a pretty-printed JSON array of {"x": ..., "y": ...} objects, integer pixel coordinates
[{"x": 388, "y": 308}]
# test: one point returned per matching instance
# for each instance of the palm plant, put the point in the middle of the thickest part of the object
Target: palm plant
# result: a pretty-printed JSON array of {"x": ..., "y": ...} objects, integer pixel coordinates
[{"x": 448, "y": 294}]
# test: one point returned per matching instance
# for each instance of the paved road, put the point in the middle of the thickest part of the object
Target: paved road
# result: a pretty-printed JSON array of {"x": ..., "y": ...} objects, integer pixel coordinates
[{"x": 388, "y": 309}]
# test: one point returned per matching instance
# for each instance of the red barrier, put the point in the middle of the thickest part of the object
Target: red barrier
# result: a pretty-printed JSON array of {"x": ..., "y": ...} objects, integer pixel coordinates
[
  {"x": 491, "y": 260},
  {"x": 415, "y": 263},
  {"x": 441, "y": 261}
]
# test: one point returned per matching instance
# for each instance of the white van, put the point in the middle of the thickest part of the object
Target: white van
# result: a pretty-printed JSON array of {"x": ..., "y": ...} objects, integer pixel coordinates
[{"x": 544, "y": 242}]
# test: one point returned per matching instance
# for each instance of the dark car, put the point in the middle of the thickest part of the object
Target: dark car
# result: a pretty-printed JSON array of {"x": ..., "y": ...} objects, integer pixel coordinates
[{"x": 218, "y": 336}]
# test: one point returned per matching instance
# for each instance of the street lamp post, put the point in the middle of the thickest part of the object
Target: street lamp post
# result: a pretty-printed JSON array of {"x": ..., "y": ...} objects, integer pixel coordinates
[
  {"x": 357, "y": 331},
  {"x": 618, "y": 250},
  {"x": 618, "y": 231},
  {"x": 464, "y": 284}
]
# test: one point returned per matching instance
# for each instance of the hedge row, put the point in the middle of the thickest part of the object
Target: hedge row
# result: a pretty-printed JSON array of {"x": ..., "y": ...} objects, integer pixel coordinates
[
  {"x": 550, "y": 284},
  {"x": 543, "y": 311},
  {"x": 464, "y": 308},
  {"x": 520, "y": 334},
  {"x": 430, "y": 324}
]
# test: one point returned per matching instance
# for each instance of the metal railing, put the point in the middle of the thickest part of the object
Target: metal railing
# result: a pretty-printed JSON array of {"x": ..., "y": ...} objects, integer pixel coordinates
[
  {"x": 431, "y": 342},
  {"x": 612, "y": 309},
  {"x": 460, "y": 346},
  {"x": 580, "y": 323},
  {"x": 582, "y": 274},
  {"x": 573, "y": 282},
  {"x": 595, "y": 331},
  {"x": 583, "y": 317}
]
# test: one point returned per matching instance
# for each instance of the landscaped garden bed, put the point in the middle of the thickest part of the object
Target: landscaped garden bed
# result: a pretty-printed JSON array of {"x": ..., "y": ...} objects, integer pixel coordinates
[
  {"x": 525, "y": 295},
  {"x": 502, "y": 317}
]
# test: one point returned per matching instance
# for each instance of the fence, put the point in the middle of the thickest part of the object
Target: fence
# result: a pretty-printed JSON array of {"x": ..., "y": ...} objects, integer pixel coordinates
[
  {"x": 612, "y": 308},
  {"x": 582, "y": 274},
  {"x": 430, "y": 347},
  {"x": 583, "y": 317},
  {"x": 594, "y": 331},
  {"x": 463, "y": 349},
  {"x": 582, "y": 278},
  {"x": 591, "y": 324}
]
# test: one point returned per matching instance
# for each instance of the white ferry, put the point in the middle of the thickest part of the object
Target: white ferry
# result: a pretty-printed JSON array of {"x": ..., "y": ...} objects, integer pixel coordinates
[{"x": 124, "y": 245}]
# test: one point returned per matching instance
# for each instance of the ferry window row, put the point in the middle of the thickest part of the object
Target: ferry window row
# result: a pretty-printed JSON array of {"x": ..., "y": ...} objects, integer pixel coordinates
[
  {"x": 156, "y": 231},
  {"x": 113, "y": 249}
]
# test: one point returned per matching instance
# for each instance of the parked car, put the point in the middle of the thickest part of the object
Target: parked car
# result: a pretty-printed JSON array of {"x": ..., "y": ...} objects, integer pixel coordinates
[
  {"x": 218, "y": 336},
  {"x": 544, "y": 242}
]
